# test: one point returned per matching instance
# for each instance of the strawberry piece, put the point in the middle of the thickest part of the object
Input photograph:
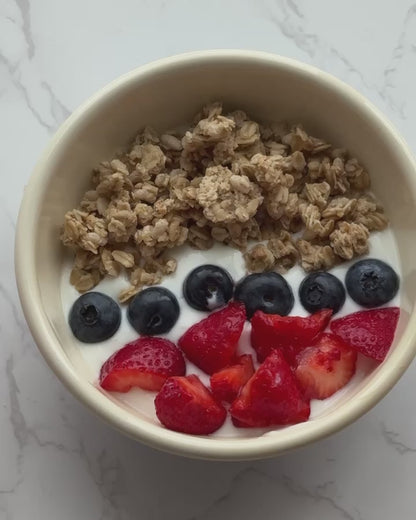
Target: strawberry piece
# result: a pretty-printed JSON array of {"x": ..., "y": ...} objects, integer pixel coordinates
[
  {"x": 271, "y": 397},
  {"x": 211, "y": 343},
  {"x": 227, "y": 383},
  {"x": 239, "y": 424},
  {"x": 289, "y": 333},
  {"x": 185, "y": 405},
  {"x": 325, "y": 367},
  {"x": 370, "y": 332},
  {"x": 145, "y": 363}
]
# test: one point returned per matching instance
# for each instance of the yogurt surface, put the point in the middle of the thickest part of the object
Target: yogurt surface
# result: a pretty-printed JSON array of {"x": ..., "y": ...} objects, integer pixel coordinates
[{"x": 382, "y": 246}]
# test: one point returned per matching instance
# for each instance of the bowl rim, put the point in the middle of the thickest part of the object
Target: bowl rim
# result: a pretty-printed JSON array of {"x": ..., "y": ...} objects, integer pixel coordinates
[{"x": 123, "y": 420}]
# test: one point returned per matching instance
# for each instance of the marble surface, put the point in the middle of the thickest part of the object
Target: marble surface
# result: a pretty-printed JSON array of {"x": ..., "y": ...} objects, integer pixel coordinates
[{"x": 56, "y": 459}]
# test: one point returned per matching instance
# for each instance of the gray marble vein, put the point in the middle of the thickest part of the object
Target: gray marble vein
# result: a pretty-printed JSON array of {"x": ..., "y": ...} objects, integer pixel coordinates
[
  {"x": 59, "y": 111},
  {"x": 287, "y": 16},
  {"x": 12, "y": 70},
  {"x": 257, "y": 477},
  {"x": 108, "y": 477},
  {"x": 393, "y": 439},
  {"x": 105, "y": 472},
  {"x": 10, "y": 301},
  {"x": 24, "y": 6},
  {"x": 406, "y": 44},
  {"x": 320, "y": 495}
]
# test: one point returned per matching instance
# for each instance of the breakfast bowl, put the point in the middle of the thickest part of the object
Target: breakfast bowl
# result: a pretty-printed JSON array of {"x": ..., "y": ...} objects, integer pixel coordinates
[{"x": 166, "y": 95}]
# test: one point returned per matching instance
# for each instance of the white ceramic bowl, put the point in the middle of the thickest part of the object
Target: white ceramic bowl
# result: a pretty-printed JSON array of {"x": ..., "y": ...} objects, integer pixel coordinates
[{"x": 166, "y": 94}]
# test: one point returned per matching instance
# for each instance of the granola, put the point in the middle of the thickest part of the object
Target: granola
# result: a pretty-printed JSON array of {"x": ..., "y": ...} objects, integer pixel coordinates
[{"x": 226, "y": 179}]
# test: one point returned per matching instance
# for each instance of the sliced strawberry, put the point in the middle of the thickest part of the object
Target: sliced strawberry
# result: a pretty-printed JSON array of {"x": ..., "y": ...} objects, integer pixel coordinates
[
  {"x": 145, "y": 363},
  {"x": 212, "y": 342},
  {"x": 239, "y": 424},
  {"x": 289, "y": 333},
  {"x": 227, "y": 383},
  {"x": 185, "y": 405},
  {"x": 271, "y": 397},
  {"x": 325, "y": 367},
  {"x": 370, "y": 332}
]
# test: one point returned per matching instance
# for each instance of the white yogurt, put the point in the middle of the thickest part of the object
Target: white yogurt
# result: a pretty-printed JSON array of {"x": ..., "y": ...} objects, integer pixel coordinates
[{"x": 382, "y": 246}]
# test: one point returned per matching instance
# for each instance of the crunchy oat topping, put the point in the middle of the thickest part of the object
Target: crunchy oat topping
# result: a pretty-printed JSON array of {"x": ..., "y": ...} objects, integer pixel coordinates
[
  {"x": 370, "y": 214},
  {"x": 284, "y": 251},
  {"x": 124, "y": 258},
  {"x": 84, "y": 280},
  {"x": 315, "y": 226},
  {"x": 315, "y": 257},
  {"x": 84, "y": 230},
  {"x": 317, "y": 193},
  {"x": 259, "y": 259},
  {"x": 227, "y": 198},
  {"x": 226, "y": 179},
  {"x": 349, "y": 240},
  {"x": 339, "y": 207}
]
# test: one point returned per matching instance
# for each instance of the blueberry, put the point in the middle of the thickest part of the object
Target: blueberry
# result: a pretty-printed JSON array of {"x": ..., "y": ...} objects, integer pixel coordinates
[
  {"x": 267, "y": 292},
  {"x": 154, "y": 310},
  {"x": 321, "y": 291},
  {"x": 94, "y": 317},
  {"x": 208, "y": 287},
  {"x": 371, "y": 282}
]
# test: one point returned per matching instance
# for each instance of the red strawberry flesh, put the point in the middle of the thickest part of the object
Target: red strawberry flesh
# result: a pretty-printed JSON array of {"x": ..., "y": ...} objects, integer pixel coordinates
[
  {"x": 325, "y": 367},
  {"x": 227, "y": 383},
  {"x": 211, "y": 343},
  {"x": 145, "y": 363},
  {"x": 185, "y": 405},
  {"x": 289, "y": 333},
  {"x": 271, "y": 397},
  {"x": 371, "y": 332}
]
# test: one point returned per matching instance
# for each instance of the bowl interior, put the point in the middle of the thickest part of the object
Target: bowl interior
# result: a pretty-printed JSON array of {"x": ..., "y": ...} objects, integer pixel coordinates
[{"x": 165, "y": 96}]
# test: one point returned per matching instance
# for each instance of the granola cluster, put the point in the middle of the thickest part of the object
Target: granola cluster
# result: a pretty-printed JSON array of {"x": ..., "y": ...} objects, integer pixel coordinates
[{"x": 227, "y": 179}]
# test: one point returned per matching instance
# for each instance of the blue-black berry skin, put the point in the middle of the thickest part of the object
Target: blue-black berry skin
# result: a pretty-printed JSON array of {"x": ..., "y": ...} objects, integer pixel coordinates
[
  {"x": 267, "y": 292},
  {"x": 322, "y": 290},
  {"x": 208, "y": 287},
  {"x": 94, "y": 317},
  {"x": 371, "y": 282},
  {"x": 154, "y": 310}
]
